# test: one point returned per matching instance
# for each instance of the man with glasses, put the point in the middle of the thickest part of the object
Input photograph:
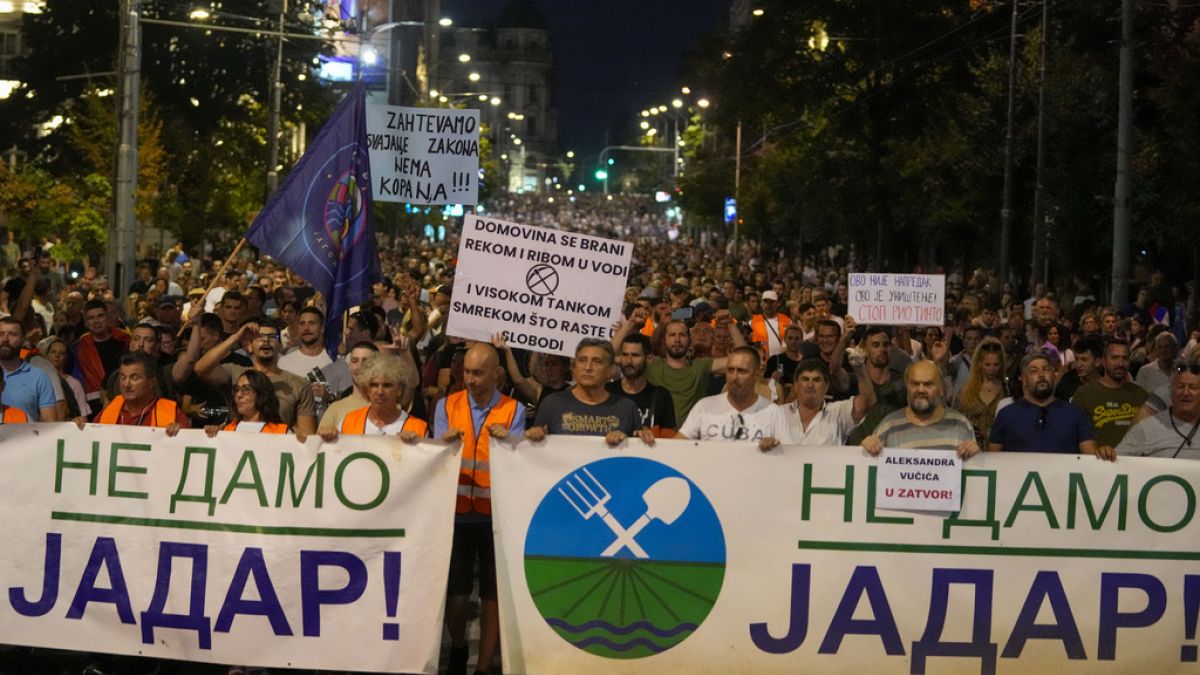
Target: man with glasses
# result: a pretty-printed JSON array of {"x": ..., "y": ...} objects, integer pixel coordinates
[
  {"x": 1172, "y": 432},
  {"x": 739, "y": 414},
  {"x": 296, "y": 404},
  {"x": 1038, "y": 422}
]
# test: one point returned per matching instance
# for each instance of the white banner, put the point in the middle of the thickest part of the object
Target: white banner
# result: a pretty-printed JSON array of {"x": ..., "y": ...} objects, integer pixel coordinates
[
  {"x": 544, "y": 289},
  {"x": 241, "y": 549},
  {"x": 897, "y": 299},
  {"x": 423, "y": 155},
  {"x": 716, "y": 558},
  {"x": 919, "y": 480}
]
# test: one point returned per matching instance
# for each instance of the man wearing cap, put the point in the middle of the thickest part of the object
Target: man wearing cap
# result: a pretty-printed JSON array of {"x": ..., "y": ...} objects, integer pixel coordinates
[
  {"x": 167, "y": 311},
  {"x": 440, "y": 301},
  {"x": 767, "y": 328}
]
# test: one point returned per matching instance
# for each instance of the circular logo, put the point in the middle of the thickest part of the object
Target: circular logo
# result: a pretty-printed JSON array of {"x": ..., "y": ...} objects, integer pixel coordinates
[
  {"x": 624, "y": 557},
  {"x": 542, "y": 279}
]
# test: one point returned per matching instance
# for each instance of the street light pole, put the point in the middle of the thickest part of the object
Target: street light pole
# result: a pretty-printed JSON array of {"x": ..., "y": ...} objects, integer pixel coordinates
[
  {"x": 1121, "y": 190},
  {"x": 1006, "y": 198},
  {"x": 276, "y": 103},
  {"x": 122, "y": 252}
]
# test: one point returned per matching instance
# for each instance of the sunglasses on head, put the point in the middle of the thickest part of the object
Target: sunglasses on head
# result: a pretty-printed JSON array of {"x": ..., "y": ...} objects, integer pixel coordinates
[{"x": 1186, "y": 368}]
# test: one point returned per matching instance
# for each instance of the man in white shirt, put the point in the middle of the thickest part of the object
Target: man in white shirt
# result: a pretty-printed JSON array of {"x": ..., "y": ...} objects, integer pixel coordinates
[
  {"x": 815, "y": 421},
  {"x": 1158, "y": 372},
  {"x": 308, "y": 353},
  {"x": 739, "y": 414}
]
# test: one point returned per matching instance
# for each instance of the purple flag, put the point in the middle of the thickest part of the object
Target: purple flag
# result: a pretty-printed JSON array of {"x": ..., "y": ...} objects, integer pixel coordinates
[{"x": 318, "y": 222}]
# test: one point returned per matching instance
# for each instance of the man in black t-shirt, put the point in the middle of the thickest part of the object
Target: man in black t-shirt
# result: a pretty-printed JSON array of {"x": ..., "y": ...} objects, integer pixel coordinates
[
  {"x": 654, "y": 403},
  {"x": 587, "y": 409},
  {"x": 782, "y": 366}
]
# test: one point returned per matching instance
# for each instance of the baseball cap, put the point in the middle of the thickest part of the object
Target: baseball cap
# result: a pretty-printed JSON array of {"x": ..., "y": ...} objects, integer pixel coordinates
[
  {"x": 770, "y": 295},
  {"x": 444, "y": 288}
]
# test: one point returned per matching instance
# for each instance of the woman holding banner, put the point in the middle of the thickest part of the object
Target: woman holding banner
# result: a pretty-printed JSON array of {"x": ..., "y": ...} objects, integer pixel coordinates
[
  {"x": 256, "y": 407},
  {"x": 387, "y": 379}
]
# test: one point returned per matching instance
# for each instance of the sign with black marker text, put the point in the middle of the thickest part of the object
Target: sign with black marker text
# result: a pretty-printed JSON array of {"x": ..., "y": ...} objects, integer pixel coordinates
[
  {"x": 898, "y": 299},
  {"x": 919, "y": 480},
  {"x": 423, "y": 155},
  {"x": 543, "y": 289}
]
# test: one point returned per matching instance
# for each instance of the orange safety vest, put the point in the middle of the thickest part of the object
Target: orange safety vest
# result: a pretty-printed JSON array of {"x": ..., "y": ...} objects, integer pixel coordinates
[
  {"x": 474, "y": 476},
  {"x": 355, "y": 423},
  {"x": 759, "y": 330},
  {"x": 268, "y": 428},
  {"x": 164, "y": 409},
  {"x": 648, "y": 327},
  {"x": 14, "y": 416}
]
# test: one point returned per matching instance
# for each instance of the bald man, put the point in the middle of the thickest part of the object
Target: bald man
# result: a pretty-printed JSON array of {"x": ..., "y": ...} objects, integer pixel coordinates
[
  {"x": 925, "y": 423},
  {"x": 475, "y": 415}
]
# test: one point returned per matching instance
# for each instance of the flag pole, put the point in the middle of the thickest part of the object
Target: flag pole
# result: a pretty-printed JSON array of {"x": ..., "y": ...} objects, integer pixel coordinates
[{"x": 213, "y": 284}]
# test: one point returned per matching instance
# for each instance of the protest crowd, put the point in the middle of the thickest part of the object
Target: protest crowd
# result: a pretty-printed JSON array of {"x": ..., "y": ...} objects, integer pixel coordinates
[{"x": 717, "y": 342}]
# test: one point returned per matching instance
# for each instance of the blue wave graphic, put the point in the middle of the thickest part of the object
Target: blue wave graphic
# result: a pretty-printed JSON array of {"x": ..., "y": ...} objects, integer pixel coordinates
[
  {"x": 624, "y": 647},
  {"x": 622, "y": 630}
]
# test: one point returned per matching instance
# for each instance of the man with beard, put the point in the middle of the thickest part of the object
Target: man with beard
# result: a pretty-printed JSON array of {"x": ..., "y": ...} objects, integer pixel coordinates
[
  {"x": 295, "y": 397},
  {"x": 653, "y": 402},
  {"x": 889, "y": 383},
  {"x": 1112, "y": 401},
  {"x": 687, "y": 380},
  {"x": 309, "y": 356},
  {"x": 925, "y": 423},
  {"x": 739, "y": 414},
  {"x": 26, "y": 388},
  {"x": 1038, "y": 422}
]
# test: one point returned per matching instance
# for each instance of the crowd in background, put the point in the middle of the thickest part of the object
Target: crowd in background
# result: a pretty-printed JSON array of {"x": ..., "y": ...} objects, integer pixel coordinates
[{"x": 717, "y": 342}]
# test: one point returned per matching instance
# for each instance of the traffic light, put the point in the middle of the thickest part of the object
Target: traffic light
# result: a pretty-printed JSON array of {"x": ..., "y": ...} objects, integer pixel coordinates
[{"x": 601, "y": 174}]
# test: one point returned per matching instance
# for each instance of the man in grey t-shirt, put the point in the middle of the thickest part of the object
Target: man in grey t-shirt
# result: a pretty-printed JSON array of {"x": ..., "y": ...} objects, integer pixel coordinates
[
  {"x": 588, "y": 409},
  {"x": 1172, "y": 432}
]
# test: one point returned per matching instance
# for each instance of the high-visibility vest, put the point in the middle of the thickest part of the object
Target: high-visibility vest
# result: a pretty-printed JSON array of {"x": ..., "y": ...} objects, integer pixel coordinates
[
  {"x": 648, "y": 327},
  {"x": 268, "y": 428},
  {"x": 355, "y": 423},
  {"x": 14, "y": 416},
  {"x": 474, "y": 475},
  {"x": 165, "y": 412},
  {"x": 760, "y": 331}
]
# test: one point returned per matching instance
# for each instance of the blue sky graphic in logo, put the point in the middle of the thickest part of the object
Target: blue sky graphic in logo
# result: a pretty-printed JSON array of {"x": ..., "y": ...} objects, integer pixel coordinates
[{"x": 624, "y": 557}]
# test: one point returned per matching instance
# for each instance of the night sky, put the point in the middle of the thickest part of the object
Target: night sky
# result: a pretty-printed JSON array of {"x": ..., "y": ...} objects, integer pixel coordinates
[{"x": 612, "y": 58}]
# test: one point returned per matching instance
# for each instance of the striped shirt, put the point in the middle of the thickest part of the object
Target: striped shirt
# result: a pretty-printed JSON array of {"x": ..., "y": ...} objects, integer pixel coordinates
[{"x": 896, "y": 431}]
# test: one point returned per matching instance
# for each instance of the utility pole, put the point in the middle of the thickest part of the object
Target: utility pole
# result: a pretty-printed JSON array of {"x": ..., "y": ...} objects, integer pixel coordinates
[
  {"x": 1039, "y": 225},
  {"x": 276, "y": 103},
  {"x": 1006, "y": 199},
  {"x": 1120, "y": 254},
  {"x": 737, "y": 182},
  {"x": 121, "y": 256}
]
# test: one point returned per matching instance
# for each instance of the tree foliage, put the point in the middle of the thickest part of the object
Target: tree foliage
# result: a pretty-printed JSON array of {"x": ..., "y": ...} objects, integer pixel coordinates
[{"x": 881, "y": 125}]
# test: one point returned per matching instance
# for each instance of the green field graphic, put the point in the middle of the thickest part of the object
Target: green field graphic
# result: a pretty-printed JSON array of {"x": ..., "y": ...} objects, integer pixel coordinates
[{"x": 623, "y": 608}]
